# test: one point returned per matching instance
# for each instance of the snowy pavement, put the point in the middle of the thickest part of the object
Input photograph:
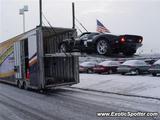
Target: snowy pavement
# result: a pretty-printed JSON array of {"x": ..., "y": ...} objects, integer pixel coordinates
[
  {"x": 145, "y": 85},
  {"x": 71, "y": 104}
]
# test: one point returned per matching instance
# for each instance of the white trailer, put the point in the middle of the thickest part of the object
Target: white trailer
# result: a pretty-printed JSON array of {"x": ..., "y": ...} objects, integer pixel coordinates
[{"x": 32, "y": 59}]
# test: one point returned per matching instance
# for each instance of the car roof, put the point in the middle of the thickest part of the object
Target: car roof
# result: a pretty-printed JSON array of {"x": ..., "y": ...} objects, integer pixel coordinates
[
  {"x": 109, "y": 63},
  {"x": 133, "y": 62},
  {"x": 88, "y": 62},
  {"x": 90, "y": 33}
]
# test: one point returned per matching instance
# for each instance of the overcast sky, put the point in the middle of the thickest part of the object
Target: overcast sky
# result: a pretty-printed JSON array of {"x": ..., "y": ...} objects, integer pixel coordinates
[{"x": 139, "y": 17}]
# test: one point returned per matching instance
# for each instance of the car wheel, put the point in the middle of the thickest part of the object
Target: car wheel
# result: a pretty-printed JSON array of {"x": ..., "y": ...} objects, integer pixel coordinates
[
  {"x": 63, "y": 48},
  {"x": 89, "y": 71},
  {"x": 122, "y": 73},
  {"x": 103, "y": 48},
  {"x": 154, "y": 74},
  {"x": 110, "y": 72},
  {"x": 137, "y": 72}
]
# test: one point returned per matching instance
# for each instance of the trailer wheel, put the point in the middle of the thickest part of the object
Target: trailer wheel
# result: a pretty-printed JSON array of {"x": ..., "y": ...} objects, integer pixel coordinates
[
  {"x": 43, "y": 91},
  {"x": 25, "y": 86},
  {"x": 19, "y": 84}
]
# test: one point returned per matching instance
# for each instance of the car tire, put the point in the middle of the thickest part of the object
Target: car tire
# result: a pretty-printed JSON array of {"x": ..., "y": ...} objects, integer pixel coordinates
[
  {"x": 63, "y": 48},
  {"x": 103, "y": 47},
  {"x": 122, "y": 73},
  {"x": 110, "y": 72},
  {"x": 137, "y": 72},
  {"x": 154, "y": 74},
  {"x": 89, "y": 71}
]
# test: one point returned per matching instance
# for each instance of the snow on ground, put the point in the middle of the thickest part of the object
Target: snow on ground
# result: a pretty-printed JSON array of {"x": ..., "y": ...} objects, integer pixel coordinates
[{"x": 145, "y": 85}]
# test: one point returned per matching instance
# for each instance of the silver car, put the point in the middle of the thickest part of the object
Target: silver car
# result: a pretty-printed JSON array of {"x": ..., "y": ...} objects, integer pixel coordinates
[
  {"x": 133, "y": 67},
  {"x": 155, "y": 68}
]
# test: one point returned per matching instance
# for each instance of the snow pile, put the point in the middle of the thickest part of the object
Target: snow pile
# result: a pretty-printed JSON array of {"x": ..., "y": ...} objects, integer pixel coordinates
[{"x": 131, "y": 85}]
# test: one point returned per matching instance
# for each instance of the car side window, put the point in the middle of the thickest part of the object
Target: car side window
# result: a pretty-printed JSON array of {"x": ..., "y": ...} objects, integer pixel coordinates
[{"x": 141, "y": 63}]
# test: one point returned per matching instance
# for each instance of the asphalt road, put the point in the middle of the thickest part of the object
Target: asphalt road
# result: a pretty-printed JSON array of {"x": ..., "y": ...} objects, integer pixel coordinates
[{"x": 69, "y": 104}]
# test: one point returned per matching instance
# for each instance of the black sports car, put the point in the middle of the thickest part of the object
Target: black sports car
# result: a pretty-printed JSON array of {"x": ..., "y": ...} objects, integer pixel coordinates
[{"x": 102, "y": 43}]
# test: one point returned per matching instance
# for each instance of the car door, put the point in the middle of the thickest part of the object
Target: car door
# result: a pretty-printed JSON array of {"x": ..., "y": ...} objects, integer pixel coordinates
[{"x": 143, "y": 67}]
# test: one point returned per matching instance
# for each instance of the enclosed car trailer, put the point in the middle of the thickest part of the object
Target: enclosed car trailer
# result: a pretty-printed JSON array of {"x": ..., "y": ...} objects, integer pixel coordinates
[{"x": 32, "y": 59}]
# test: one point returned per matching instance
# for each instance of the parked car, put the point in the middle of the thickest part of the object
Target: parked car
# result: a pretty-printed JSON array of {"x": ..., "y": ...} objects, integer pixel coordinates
[
  {"x": 87, "y": 67},
  {"x": 155, "y": 68},
  {"x": 121, "y": 60},
  {"x": 106, "y": 67},
  {"x": 133, "y": 67},
  {"x": 102, "y": 43},
  {"x": 150, "y": 61}
]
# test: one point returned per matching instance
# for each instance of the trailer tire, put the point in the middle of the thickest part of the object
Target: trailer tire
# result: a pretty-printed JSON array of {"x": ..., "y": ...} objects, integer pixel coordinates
[
  {"x": 25, "y": 86},
  {"x": 19, "y": 84},
  {"x": 43, "y": 91}
]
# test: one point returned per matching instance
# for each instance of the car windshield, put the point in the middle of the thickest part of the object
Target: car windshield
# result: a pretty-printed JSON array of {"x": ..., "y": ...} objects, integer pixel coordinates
[
  {"x": 110, "y": 63},
  {"x": 134, "y": 63},
  {"x": 84, "y": 36},
  {"x": 92, "y": 35},
  {"x": 87, "y": 35},
  {"x": 157, "y": 62}
]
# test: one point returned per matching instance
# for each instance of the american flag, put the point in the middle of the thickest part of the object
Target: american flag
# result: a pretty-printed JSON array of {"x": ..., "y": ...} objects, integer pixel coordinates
[{"x": 101, "y": 28}]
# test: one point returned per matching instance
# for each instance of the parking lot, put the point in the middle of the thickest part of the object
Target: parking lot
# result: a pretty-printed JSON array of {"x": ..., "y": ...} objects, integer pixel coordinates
[{"x": 139, "y": 85}]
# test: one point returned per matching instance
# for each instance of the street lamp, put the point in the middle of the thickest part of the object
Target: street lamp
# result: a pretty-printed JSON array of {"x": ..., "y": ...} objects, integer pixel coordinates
[{"x": 21, "y": 12}]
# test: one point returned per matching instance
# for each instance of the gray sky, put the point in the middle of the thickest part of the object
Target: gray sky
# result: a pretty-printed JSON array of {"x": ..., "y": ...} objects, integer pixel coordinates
[{"x": 119, "y": 16}]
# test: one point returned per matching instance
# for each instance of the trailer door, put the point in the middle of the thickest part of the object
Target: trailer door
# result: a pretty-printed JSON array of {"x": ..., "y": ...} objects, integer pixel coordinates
[{"x": 17, "y": 60}]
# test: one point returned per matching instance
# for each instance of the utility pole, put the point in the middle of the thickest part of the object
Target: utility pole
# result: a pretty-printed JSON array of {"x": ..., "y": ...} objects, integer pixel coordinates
[
  {"x": 40, "y": 12},
  {"x": 40, "y": 48},
  {"x": 73, "y": 15}
]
